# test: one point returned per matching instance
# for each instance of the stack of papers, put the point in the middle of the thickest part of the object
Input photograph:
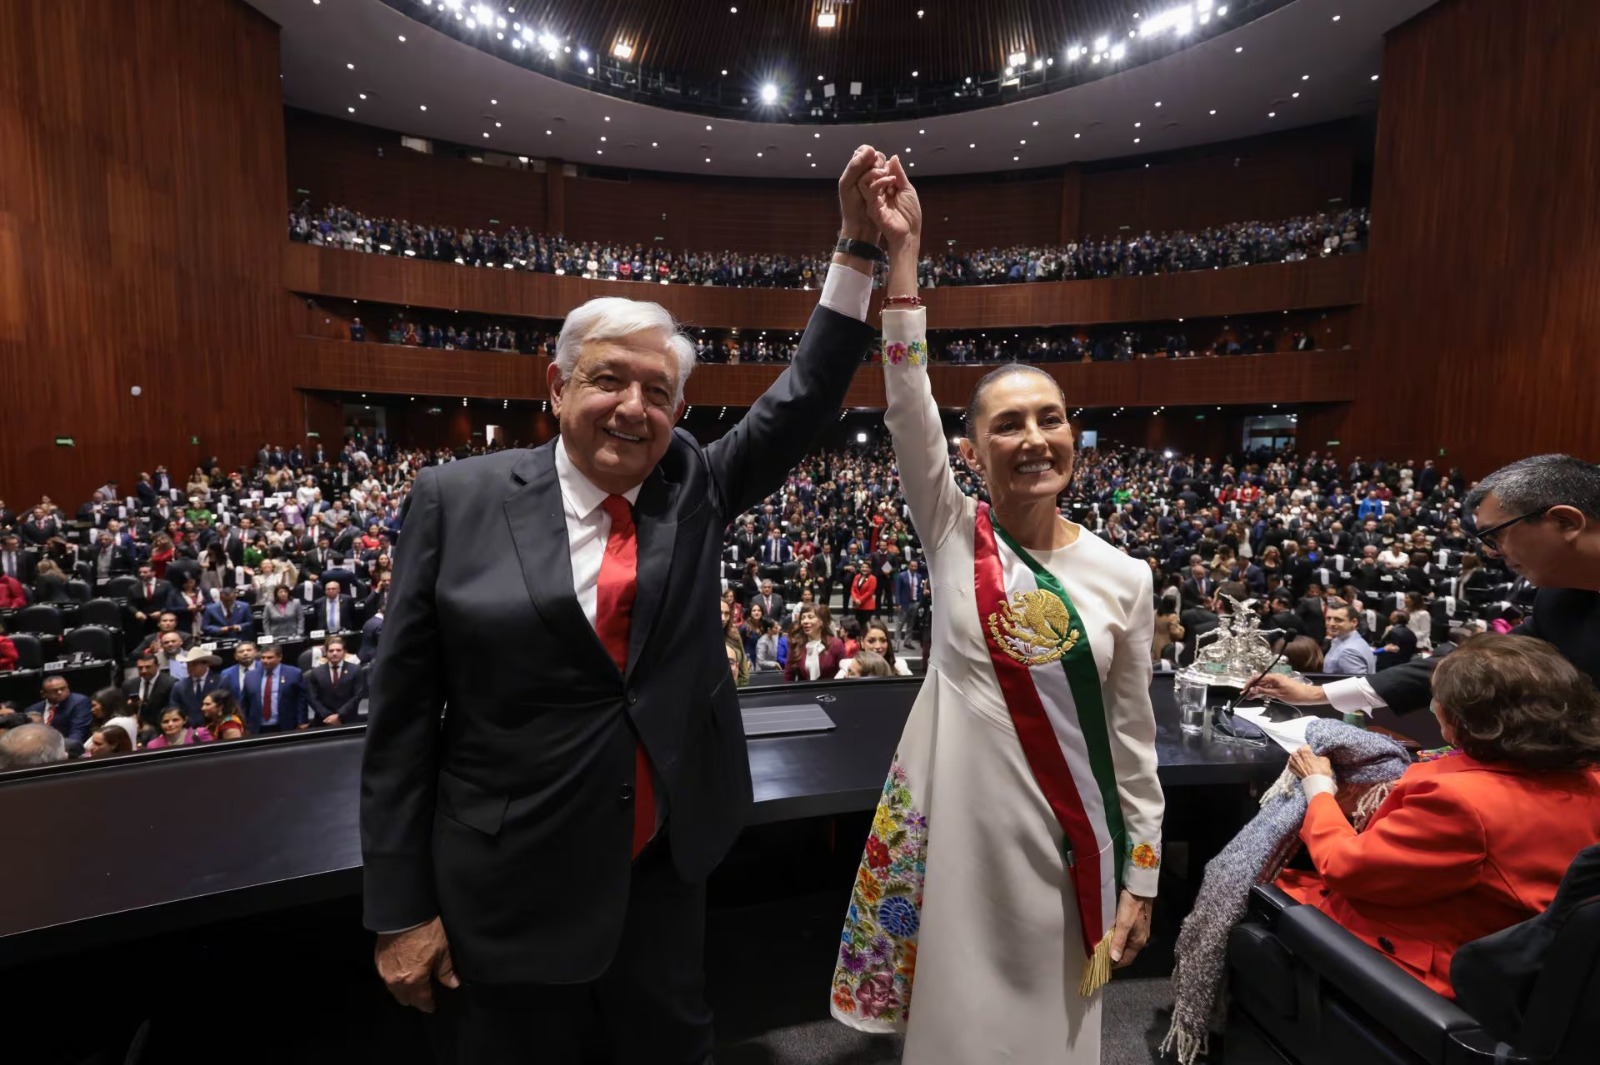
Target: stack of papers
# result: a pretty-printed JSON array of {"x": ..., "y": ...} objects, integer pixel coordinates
[{"x": 1290, "y": 735}]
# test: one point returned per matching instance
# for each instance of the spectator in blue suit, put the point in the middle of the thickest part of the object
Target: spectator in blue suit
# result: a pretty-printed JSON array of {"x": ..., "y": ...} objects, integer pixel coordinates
[
  {"x": 244, "y": 664},
  {"x": 227, "y": 617},
  {"x": 274, "y": 695},
  {"x": 65, "y": 711}
]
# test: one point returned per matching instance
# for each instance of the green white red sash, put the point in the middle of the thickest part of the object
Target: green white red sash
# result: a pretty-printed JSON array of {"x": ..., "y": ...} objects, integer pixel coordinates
[{"x": 1047, "y": 673}]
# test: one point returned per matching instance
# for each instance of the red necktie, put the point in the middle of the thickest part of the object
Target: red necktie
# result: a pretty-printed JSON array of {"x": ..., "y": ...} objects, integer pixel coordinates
[
  {"x": 613, "y": 615},
  {"x": 266, "y": 697}
]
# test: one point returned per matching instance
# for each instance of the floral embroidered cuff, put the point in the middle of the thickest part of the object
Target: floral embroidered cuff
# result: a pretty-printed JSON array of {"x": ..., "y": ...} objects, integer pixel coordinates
[{"x": 905, "y": 337}]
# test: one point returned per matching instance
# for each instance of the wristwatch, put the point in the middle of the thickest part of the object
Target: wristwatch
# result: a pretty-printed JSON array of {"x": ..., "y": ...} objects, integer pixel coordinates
[{"x": 860, "y": 249}]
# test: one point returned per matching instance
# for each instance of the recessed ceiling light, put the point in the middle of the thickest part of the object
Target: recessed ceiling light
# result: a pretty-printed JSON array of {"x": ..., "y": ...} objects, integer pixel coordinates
[
  {"x": 1336, "y": 18},
  {"x": 1294, "y": 95},
  {"x": 1272, "y": 114},
  {"x": 819, "y": 77},
  {"x": 485, "y": 136},
  {"x": 1305, "y": 77},
  {"x": 1036, "y": 122},
  {"x": 361, "y": 96},
  {"x": 351, "y": 110},
  {"x": 589, "y": 70},
  {"x": 547, "y": 133},
  {"x": 599, "y": 151},
  {"x": 1239, "y": 49},
  {"x": 349, "y": 66},
  {"x": 913, "y": 73},
  {"x": 813, "y": 164},
  {"x": 653, "y": 144},
  {"x": 1016, "y": 158},
  {"x": 724, "y": 73},
  {"x": 1158, "y": 103},
  {"x": 758, "y": 155},
  {"x": 602, "y": 140},
  {"x": 583, "y": 55},
  {"x": 708, "y": 158},
  {"x": 1077, "y": 136},
  {"x": 1022, "y": 142},
  {"x": 1136, "y": 125},
  {"x": 922, "y": 131},
  {"x": 423, "y": 106},
  {"x": 402, "y": 38},
  {"x": 972, "y": 146},
  {"x": 808, "y": 155},
  {"x": 497, "y": 125},
  {"x": 1136, "y": 140},
  {"x": 1374, "y": 77},
  {"x": 1213, "y": 110},
  {"x": 708, "y": 128}
]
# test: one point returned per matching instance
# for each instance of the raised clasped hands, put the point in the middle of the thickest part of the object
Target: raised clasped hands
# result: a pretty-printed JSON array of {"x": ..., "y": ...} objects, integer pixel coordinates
[
  {"x": 892, "y": 201},
  {"x": 855, "y": 216}
]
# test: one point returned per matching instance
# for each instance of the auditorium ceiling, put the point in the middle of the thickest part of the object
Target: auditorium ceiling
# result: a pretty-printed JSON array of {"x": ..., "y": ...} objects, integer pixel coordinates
[{"x": 1053, "y": 81}]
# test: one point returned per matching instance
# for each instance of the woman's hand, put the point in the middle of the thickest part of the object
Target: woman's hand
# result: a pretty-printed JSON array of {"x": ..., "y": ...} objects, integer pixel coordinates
[
  {"x": 855, "y": 214},
  {"x": 1132, "y": 930},
  {"x": 893, "y": 203},
  {"x": 1305, "y": 763}
]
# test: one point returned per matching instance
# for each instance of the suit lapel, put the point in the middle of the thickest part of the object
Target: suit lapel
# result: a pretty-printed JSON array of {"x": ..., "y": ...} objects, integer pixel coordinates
[
  {"x": 656, "y": 525},
  {"x": 538, "y": 524}
]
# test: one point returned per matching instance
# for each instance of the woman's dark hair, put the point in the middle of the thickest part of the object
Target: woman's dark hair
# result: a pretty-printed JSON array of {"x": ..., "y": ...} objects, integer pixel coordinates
[
  {"x": 1517, "y": 699},
  {"x": 975, "y": 401},
  {"x": 117, "y": 739},
  {"x": 284, "y": 588},
  {"x": 887, "y": 654},
  {"x": 227, "y": 704},
  {"x": 113, "y": 701}
]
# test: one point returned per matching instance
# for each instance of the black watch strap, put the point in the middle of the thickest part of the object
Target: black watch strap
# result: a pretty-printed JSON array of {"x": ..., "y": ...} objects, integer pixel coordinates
[{"x": 860, "y": 249}]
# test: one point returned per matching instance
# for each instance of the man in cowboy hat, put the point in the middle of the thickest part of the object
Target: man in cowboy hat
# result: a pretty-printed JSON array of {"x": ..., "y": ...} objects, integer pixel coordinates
[{"x": 203, "y": 677}]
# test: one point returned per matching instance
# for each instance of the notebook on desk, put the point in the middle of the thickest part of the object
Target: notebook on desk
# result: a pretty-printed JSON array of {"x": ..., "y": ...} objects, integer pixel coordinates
[{"x": 786, "y": 719}]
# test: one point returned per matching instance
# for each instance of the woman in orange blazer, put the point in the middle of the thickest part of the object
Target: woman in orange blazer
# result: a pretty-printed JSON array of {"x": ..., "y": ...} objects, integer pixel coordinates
[{"x": 1477, "y": 839}]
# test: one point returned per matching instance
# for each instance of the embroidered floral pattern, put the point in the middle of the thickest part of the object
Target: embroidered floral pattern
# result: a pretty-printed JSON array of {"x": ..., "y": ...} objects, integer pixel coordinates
[
  {"x": 1144, "y": 856},
  {"x": 901, "y": 353},
  {"x": 878, "y": 947}
]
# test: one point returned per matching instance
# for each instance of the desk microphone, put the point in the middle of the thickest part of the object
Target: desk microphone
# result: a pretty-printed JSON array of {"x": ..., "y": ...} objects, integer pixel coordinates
[{"x": 1225, "y": 720}]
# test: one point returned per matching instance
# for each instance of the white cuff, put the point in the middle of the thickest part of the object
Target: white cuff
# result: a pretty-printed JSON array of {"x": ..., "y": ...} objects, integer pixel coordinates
[
  {"x": 1352, "y": 695},
  {"x": 847, "y": 291},
  {"x": 1318, "y": 784}
]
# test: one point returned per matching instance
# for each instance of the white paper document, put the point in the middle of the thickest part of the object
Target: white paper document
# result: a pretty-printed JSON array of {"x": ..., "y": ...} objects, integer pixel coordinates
[{"x": 1290, "y": 735}]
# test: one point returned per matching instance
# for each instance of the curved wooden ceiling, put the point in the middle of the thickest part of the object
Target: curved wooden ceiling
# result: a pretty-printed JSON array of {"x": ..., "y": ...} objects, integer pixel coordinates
[{"x": 873, "y": 41}]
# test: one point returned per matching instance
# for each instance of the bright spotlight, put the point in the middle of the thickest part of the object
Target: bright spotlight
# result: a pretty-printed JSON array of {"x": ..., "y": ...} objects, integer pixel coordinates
[{"x": 769, "y": 93}]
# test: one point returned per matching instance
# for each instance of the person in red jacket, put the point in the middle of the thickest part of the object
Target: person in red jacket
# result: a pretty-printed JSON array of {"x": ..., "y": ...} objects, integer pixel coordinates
[
  {"x": 12, "y": 595},
  {"x": 8, "y": 652},
  {"x": 1477, "y": 839},
  {"x": 864, "y": 595}
]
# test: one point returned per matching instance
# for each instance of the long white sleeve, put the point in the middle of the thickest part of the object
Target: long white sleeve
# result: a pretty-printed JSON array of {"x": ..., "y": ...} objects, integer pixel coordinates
[
  {"x": 1132, "y": 732},
  {"x": 920, "y": 448}
]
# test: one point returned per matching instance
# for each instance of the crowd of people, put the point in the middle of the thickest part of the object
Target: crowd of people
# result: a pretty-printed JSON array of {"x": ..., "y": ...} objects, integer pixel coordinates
[
  {"x": 1236, "y": 244},
  {"x": 1356, "y": 567},
  {"x": 290, "y": 551}
]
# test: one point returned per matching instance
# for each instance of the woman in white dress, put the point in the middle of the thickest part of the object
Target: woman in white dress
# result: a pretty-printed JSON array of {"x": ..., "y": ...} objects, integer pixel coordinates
[{"x": 1014, "y": 856}]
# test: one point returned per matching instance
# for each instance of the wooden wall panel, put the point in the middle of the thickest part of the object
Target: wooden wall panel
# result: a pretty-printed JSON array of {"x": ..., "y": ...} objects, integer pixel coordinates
[
  {"x": 1315, "y": 284},
  {"x": 1303, "y": 377},
  {"x": 1483, "y": 293},
  {"x": 1263, "y": 179},
  {"x": 365, "y": 168},
  {"x": 141, "y": 193}
]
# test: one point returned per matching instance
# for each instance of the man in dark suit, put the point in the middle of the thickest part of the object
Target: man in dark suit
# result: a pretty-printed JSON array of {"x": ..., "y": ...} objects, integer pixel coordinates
[
  {"x": 152, "y": 688},
  {"x": 334, "y": 612},
  {"x": 201, "y": 667},
  {"x": 150, "y": 598},
  {"x": 334, "y": 690},
  {"x": 227, "y": 617},
  {"x": 274, "y": 698},
  {"x": 771, "y": 602},
  {"x": 1197, "y": 588},
  {"x": 591, "y": 563},
  {"x": 1540, "y": 514},
  {"x": 244, "y": 664},
  {"x": 65, "y": 711},
  {"x": 108, "y": 560},
  {"x": 39, "y": 527},
  {"x": 16, "y": 563}
]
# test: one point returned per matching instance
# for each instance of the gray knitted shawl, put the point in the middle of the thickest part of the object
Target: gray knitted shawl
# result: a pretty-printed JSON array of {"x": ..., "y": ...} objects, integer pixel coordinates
[{"x": 1365, "y": 765}]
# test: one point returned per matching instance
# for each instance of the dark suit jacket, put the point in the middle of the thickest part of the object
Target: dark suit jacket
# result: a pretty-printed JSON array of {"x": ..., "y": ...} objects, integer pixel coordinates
[
  {"x": 484, "y": 820},
  {"x": 155, "y": 604},
  {"x": 215, "y": 617},
  {"x": 291, "y": 700},
  {"x": 323, "y": 698},
  {"x": 73, "y": 718},
  {"x": 1566, "y": 617},
  {"x": 188, "y": 700},
  {"x": 347, "y": 614},
  {"x": 160, "y": 696}
]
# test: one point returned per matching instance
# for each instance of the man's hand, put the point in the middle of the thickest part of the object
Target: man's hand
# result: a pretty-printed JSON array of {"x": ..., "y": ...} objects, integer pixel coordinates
[
  {"x": 331, "y": 719},
  {"x": 410, "y": 961},
  {"x": 1287, "y": 689},
  {"x": 856, "y": 220},
  {"x": 1132, "y": 931}
]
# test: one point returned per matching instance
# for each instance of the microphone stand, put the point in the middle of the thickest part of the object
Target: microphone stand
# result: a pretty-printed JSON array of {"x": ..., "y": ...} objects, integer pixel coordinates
[{"x": 1225, "y": 716}]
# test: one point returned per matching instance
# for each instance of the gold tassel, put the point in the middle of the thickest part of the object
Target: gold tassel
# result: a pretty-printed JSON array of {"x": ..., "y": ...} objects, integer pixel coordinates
[{"x": 1097, "y": 969}]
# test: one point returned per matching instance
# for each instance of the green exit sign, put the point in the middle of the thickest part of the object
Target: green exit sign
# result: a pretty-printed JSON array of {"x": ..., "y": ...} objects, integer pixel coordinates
[
  {"x": 195, "y": 440},
  {"x": 65, "y": 441}
]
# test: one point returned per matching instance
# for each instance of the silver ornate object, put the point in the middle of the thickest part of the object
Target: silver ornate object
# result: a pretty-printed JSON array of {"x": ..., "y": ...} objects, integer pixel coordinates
[{"x": 1236, "y": 651}]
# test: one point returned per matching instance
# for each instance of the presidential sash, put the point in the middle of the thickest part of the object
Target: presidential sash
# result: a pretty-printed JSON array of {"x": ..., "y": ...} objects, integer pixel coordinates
[{"x": 1047, "y": 674}]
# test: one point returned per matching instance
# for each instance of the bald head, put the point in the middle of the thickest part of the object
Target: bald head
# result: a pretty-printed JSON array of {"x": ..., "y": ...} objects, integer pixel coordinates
[{"x": 30, "y": 745}]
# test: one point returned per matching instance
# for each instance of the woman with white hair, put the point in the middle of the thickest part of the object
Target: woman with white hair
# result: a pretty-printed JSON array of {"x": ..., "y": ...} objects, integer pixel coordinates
[{"x": 1014, "y": 856}]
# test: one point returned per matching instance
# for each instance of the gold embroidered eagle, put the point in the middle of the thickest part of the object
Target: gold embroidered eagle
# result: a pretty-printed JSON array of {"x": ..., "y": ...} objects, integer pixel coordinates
[{"x": 1034, "y": 627}]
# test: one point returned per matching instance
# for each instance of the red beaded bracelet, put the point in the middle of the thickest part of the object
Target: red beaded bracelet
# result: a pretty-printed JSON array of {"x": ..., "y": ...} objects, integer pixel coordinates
[{"x": 902, "y": 301}]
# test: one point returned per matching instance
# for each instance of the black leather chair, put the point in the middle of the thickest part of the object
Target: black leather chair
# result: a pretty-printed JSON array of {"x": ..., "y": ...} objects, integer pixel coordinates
[
  {"x": 79, "y": 591},
  {"x": 99, "y": 643},
  {"x": 1323, "y": 997},
  {"x": 120, "y": 587},
  {"x": 103, "y": 612},
  {"x": 39, "y": 618},
  {"x": 29, "y": 654}
]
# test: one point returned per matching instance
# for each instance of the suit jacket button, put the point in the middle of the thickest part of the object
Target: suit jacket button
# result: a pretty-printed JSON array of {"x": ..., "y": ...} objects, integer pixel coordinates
[
  {"x": 1388, "y": 947},
  {"x": 633, "y": 696},
  {"x": 625, "y": 793}
]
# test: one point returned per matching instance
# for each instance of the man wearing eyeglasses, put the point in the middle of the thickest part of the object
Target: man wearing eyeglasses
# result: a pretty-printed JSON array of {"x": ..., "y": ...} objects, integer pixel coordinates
[{"x": 1542, "y": 516}]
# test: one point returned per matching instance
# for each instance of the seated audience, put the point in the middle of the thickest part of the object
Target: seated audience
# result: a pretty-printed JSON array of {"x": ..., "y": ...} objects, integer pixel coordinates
[
  {"x": 108, "y": 740},
  {"x": 1477, "y": 839},
  {"x": 875, "y": 641},
  {"x": 220, "y": 715},
  {"x": 175, "y": 731},
  {"x": 28, "y": 745},
  {"x": 814, "y": 652}
]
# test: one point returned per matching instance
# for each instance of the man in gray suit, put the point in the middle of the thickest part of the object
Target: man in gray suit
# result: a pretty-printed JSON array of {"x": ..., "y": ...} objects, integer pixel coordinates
[{"x": 543, "y": 849}]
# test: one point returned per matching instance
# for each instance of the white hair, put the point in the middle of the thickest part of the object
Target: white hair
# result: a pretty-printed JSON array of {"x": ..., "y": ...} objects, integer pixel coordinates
[{"x": 612, "y": 318}]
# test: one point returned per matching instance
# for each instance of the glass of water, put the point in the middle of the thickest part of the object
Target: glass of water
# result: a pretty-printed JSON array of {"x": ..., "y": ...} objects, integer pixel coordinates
[{"x": 1191, "y": 693}]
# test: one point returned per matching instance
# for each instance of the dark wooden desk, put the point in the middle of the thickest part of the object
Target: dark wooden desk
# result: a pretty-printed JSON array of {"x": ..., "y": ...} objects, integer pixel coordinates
[{"x": 129, "y": 847}]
